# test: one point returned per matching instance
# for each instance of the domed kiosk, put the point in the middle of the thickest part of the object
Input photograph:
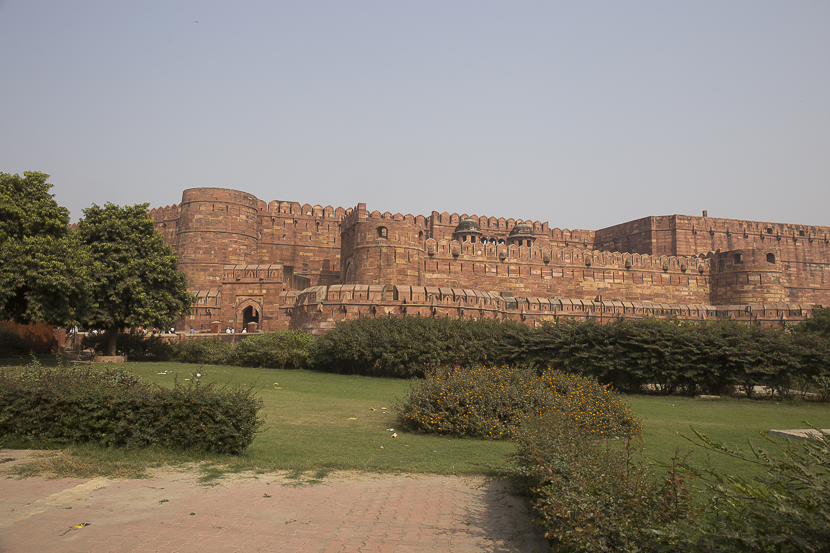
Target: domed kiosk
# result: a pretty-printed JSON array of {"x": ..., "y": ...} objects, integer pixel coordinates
[
  {"x": 521, "y": 235},
  {"x": 468, "y": 230}
]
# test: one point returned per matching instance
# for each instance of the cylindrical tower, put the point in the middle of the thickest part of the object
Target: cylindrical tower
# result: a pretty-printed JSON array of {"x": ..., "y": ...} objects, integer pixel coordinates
[
  {"x": 376, "y": 250},
  {"x": 746, "y": 277},
  {"x": 217, "y": 227}
]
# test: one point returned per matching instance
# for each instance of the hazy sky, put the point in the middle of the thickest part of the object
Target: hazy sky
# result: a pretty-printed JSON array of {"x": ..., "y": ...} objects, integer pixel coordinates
[{"x": 583, "y": 114}]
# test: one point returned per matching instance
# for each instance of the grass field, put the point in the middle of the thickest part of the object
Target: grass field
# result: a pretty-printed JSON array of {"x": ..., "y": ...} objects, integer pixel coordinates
[{"x": 317, "y": 422}]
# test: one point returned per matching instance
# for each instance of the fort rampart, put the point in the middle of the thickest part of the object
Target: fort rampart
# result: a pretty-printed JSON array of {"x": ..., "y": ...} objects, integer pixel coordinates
[{"x": 254, "y": 264}]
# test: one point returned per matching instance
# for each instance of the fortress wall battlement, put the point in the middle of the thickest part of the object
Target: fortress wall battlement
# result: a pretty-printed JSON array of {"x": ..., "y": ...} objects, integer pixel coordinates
[
  {"x": 282, "y": 208},
  {"x": 310, "y": 244},
  {"x": 442, "y": 226},
  {"x": 689, "y": 235},
  {"x": 566, "y": 272},
  {"x": 661, "y": 260},
  {"x": 317, "y": 310},
  {"x": 166, "y": 220}
]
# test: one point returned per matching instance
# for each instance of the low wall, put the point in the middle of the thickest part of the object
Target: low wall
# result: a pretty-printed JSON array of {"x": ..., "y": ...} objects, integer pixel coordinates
[{"x": 317, "y": 309}]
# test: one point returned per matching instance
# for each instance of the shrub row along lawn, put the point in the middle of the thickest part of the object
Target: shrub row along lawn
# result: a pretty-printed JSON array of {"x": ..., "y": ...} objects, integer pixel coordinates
[
  {"x": 667, "y": 356},
  {"x": 113, "y": 407}
]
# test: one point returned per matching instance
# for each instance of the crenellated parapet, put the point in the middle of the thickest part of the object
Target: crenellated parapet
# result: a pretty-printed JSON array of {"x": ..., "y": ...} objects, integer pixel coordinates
[
  {"x": 495, "y": 230},
  {"x": 574, "y": 256},
  {"x": 317, "y": 310},
  {"x": 276, "y": 208},
  {"x": 166, "y": 220}
]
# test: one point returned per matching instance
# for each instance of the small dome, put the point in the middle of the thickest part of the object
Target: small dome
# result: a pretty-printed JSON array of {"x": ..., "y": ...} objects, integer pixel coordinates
[
  {"x": 521, "y": 229},
  {"x": 468, "y": 224}
]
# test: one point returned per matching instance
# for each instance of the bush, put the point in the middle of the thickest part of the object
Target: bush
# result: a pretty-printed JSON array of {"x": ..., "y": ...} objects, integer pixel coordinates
[
  {"x": 409, "y": 346},
  {"x": 134, "y": 344},
  {"x": 494, "y": 402},
  {"x": 207, "y": 352},
  {"x": 590, "y": 495},
  {"x": 819, "y": 323},
  {"x": 113, "y": 407},
  {"x": 676, "y": 356},
  {"x": 274, "y": 350},
  {"x": 787, "y": 510}
]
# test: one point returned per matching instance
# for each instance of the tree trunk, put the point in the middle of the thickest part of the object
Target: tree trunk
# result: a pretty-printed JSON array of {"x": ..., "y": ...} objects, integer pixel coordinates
[{"x": 113, "y": 337}]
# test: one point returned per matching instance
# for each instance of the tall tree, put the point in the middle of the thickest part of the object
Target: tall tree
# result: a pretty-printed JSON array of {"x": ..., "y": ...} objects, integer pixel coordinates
[
  {"x": 42, "y": 265},
  {"x": 134, "y": 275}
]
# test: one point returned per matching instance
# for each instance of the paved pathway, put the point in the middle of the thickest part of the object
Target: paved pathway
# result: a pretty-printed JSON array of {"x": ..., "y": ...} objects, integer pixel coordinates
[{"x": 348, "y": 512}]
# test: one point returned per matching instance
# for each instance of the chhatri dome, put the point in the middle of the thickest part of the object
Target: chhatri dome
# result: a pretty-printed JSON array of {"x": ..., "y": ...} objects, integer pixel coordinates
[
  {"x": 521, "y": 229},
  {"x": 467, "y": 225}
]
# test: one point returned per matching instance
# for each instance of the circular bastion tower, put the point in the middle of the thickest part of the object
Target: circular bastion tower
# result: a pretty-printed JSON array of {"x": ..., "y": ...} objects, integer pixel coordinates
[
  {"x": 217, "y": 227},
  {"x": 380, "y": 250}
]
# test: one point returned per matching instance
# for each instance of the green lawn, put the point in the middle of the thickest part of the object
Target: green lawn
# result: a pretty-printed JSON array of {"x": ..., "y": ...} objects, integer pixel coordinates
[
  {"x": 733, "y": 421},
  {"x": 320, "y": 421}
]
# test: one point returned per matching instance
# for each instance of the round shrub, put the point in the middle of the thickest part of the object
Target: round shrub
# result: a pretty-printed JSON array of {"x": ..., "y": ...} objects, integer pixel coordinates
[
  {"x": 274, "y": 350},
  {"x": 207, "y": 351},
  {"x": 490, "y": 402}
]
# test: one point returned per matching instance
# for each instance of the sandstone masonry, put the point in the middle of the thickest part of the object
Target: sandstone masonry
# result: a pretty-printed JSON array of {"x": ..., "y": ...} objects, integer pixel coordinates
[{"x": 283, "y": 265}]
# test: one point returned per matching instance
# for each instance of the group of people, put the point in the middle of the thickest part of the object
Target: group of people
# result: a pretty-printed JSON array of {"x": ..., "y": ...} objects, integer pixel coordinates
[{"x": 230, "y": 330}]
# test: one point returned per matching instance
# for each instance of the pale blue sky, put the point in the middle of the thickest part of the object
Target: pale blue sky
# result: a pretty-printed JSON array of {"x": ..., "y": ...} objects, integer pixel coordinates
[{"x": 583, "y": 114}]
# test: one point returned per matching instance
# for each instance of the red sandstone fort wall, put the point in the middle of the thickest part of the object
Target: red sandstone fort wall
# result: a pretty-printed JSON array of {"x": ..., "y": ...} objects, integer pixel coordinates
[
  {"x": 676, "y": 260},
  {"x": 302, "y": 236},
  {"x": 318, "y": 309}
]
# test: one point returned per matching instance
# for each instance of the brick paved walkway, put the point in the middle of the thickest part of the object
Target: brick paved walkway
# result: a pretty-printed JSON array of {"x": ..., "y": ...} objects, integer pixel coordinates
[{"x": 348, "y": 512}]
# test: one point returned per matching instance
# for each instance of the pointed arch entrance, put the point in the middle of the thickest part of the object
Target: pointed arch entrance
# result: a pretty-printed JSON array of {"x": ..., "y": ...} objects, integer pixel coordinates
[{"x": 249, "y": 311}]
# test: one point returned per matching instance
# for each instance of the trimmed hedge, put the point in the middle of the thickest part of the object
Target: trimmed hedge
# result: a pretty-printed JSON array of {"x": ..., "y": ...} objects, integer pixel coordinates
[
  {"x": 277, "y": 349},
  {"x": 677, "y": 356},
  {"x": 113, "y": 407},
  {"x": 409, "y": 346},
  {"x": 273, "y": 350},
  {"x": 203, "y": 351}
]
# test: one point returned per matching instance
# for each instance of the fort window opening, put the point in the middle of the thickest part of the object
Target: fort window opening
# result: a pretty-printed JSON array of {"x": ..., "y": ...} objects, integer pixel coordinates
[
  {"x": 769, "y": 230},
  {"x": 383, "y": 233},
  {"x": 801, "y": 233},
  {"x": 738, "y": 259},
  {"x": 770, "y": 258}
]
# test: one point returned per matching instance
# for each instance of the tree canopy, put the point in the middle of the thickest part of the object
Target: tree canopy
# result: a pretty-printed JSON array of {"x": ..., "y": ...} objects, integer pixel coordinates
[
  {"x": 819, "y": 323},
  {"x": 134, "y": 276},
  {"x": 42, "y": 265}
]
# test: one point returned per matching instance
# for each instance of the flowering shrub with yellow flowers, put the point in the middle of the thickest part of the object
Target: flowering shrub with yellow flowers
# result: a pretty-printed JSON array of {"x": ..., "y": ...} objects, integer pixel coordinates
[{"x": 493, "y": 402}]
